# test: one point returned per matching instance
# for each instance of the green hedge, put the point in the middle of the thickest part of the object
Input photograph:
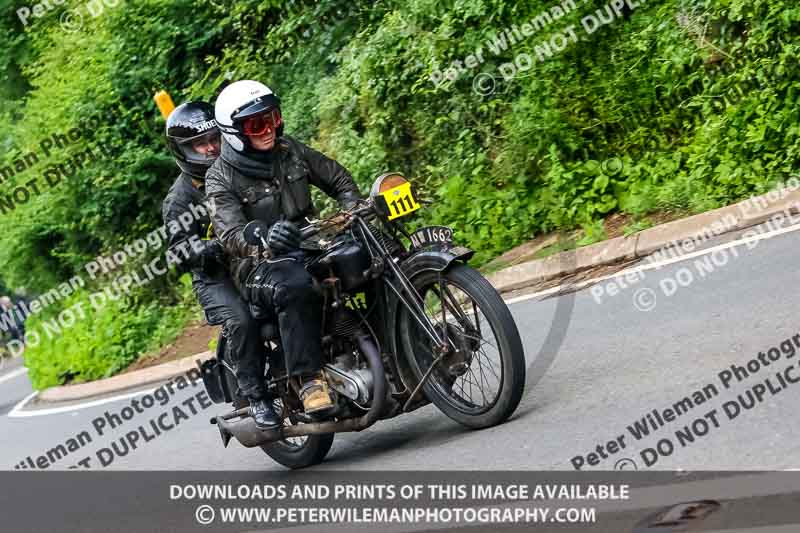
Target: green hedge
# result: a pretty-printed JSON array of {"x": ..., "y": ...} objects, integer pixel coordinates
[{"x": 88, "y": 340}]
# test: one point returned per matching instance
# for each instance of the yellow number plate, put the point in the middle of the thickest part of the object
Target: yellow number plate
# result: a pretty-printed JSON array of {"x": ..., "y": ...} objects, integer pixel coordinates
[{"x": 400, "y": 201}]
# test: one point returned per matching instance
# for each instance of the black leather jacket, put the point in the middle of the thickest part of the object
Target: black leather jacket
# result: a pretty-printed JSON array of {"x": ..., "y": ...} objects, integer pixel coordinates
[
  {"x": 185, "y": 202},
  {"x": 242, "y": 188}
]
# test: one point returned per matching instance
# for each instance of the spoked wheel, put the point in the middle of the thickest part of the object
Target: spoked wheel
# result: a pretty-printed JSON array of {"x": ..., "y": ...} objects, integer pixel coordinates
[
  {"x": 480, "y": 380},
  {"x": 298, "y": 452}
]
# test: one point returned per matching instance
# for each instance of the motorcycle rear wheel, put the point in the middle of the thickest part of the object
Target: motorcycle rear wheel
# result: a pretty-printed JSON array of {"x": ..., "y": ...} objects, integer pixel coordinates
[
  {"x": 298, "y": 452},
  {"x": 478, "y": 322}
]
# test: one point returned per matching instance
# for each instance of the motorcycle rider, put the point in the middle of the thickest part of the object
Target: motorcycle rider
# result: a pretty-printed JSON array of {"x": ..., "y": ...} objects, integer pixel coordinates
[
  {"x": 194, "y": 140},
  {"x": 265, "y": 175}
]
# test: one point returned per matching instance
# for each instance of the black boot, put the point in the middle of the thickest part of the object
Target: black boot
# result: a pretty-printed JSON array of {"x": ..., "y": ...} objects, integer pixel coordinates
[{"x": 263, "y": 414}]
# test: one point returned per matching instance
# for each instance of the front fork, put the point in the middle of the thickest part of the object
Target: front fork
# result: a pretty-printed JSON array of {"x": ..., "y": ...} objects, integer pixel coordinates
[{"x": 414, "y": 301}]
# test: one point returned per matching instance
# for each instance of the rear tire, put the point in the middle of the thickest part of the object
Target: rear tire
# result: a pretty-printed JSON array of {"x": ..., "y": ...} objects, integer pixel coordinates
[
  {"x": 298, "y": 452},
  {"x": 440, "y": 387},
  {"x": 311, "y": 452}
]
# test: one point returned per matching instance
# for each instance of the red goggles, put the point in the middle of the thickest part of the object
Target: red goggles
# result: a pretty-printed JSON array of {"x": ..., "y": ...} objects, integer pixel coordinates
[{"x": 262, "y": 123}]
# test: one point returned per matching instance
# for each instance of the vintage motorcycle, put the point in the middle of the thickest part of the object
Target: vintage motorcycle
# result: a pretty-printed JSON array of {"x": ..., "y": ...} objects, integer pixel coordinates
[{"x": 403, "y": 326}]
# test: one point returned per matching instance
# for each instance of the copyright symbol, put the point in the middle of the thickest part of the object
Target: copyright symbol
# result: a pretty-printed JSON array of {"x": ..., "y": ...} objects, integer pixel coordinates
[
  {"x": 644, "y": 300},
  {"x": 612, "y": 167},
  {"x": 71, "y": 20},
  {"x": 625, "y": 464},
  {"x": 484, "y": 84},
  {"x": 204, "y": 515}
]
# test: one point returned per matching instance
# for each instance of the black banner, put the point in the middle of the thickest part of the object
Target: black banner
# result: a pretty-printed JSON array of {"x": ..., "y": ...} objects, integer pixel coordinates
[{"x": 613, "y": 502}]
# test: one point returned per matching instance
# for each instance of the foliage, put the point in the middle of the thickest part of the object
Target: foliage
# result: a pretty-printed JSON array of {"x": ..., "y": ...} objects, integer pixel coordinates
[
  {"x": 97, "y": 341},
  {"x": 637, "y": 226}
]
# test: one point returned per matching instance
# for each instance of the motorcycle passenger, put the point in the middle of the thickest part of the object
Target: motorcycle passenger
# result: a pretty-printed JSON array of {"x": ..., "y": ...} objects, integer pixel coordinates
[
  {"x": 194, "y": 140},
  {"x": 16, "y": 327},
  {"x": 265, "y": 175}
]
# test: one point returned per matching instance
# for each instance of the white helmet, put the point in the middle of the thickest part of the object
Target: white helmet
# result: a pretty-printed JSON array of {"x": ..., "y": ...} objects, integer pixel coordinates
[{"x": 241, "y": 100}]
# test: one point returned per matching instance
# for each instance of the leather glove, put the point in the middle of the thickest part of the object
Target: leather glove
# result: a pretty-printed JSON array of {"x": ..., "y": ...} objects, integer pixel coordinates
[
  {"x": 212, "y": 252},
  {"x": 283, "y": 237},
  {"x": 212, "y": 248},
  {"x": 348, "y": 202}
]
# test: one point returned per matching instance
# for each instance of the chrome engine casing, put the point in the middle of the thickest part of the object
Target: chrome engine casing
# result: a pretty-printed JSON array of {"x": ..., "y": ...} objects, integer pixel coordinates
[{"x": 353, "y": 383}]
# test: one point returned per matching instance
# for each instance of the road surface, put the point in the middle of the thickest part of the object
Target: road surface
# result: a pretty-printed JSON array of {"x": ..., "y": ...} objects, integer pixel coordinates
[{"x": 636, "y": 343}]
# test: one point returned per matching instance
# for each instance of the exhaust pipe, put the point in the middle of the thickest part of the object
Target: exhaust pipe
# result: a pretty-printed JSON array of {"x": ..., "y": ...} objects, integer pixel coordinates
[{"x": 245, "y": 431}]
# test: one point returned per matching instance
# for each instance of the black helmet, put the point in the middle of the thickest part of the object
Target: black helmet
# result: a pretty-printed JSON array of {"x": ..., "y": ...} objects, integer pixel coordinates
[{"x": 193, "y": 137}]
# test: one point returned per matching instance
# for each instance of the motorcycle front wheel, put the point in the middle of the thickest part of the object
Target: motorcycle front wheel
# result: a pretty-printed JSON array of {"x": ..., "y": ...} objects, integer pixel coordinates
[{"x": 480, "y": 382}]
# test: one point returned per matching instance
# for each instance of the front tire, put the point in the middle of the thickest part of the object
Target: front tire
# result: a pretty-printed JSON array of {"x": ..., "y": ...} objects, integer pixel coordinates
[{"x": 482, "y": 311}]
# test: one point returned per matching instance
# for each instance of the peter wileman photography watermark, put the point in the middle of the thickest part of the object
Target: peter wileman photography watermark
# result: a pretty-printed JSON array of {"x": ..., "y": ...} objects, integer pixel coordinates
[
  {"x": 645, "y": 298},
  {"x": 67, "y": 152},
  {"x": 396, "y": 503},
  {"x": 156, "y": 425},
  {"x": 503, "y": 41},
  {"x": 16, "y": 192},
  {"x": 71, "y": 18},
  {"x": 54, "y": 174},
  {"x": 781, "y": 377},
  {"x": 119, "y": 287}
]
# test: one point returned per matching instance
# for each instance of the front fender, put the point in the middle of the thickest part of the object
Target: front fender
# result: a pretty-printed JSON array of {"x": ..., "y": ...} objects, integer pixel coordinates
[{"x": 436, "y": 259}]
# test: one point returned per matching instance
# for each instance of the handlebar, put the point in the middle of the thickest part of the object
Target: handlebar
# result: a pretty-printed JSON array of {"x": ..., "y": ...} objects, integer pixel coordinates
[
  {"x": 309, "y": 231},
  {"x": 364, "y": 208},
  {"x": 255, "y": 231}
]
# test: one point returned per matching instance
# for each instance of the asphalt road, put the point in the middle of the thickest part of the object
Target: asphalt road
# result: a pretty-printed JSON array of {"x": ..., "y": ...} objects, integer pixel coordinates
[{"x": 617, "y": 364}]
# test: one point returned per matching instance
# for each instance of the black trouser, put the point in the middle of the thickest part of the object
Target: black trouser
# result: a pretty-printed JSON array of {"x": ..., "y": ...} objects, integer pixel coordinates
[
  {"x": 17, "y": 333},
  {"x": 224, "y": 306},
  {"x": 283, "y": 287}
]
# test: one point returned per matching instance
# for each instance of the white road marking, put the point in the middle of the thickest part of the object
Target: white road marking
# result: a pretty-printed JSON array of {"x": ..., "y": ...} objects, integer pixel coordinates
[
  {"x": 13, "y": 374},
  {"x": 17, "y": 411},
  {"x": 655, "y": 265}
]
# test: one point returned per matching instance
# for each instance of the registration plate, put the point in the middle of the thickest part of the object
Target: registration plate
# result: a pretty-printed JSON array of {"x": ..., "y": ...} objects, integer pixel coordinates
[
  {"x": 401, "y": 201},
  {"x": 431, "y": 235}
]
